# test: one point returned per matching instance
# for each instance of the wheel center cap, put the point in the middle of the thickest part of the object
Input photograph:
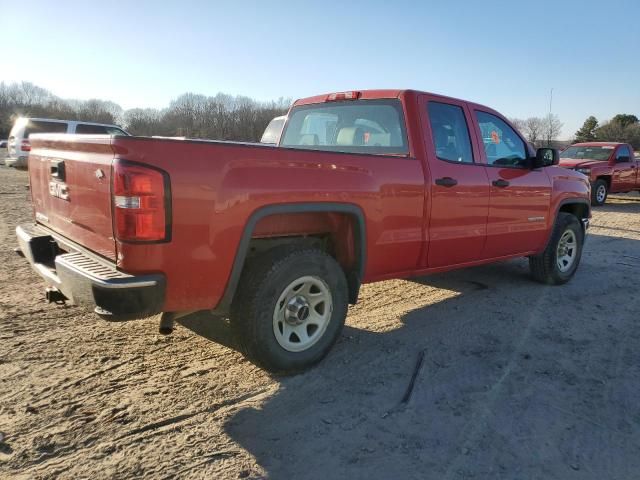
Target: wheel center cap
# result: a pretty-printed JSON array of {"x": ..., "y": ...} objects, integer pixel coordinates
[{"x": 297, "y": 310}]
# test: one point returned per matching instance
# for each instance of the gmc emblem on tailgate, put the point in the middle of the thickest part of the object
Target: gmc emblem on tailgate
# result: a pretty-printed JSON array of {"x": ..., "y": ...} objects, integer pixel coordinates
[{"x": 59, "y": 189}]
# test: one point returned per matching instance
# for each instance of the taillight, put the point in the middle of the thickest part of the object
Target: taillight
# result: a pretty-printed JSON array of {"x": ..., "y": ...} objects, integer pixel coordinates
[
  {"x": 334, "y": 97},
  {"x": 25, "y": 146},
  {"x": 141, "y": 203}
]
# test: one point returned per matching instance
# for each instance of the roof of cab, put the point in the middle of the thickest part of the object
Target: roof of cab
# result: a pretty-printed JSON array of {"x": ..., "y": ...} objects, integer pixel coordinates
[{"x": 387, "y": 93}]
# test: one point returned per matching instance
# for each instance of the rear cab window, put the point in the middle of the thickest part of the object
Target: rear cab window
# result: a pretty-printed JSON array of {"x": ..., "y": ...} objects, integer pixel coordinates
[{"x": 352, "y": 126}]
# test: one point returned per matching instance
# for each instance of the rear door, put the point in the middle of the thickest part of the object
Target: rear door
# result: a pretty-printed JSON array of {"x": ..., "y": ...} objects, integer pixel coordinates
[
  {"x": 520, "y": 197},
  {"x": 459, "y": 189}
]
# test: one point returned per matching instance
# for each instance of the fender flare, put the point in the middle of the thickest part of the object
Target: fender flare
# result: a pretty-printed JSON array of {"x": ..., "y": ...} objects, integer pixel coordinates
[
  {"x": 571, "y": 201},
  {"x": 584, "y": 222},
  {"x": 355, "y": 211}
]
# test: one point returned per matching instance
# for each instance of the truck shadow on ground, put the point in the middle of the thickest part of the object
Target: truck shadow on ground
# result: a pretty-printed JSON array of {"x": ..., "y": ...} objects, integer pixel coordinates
[{"x": 518, "y": 380}]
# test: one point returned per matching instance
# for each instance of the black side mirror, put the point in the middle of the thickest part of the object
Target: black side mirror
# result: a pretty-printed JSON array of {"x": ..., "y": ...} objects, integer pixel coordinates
[{"x": 545, "y": 157}]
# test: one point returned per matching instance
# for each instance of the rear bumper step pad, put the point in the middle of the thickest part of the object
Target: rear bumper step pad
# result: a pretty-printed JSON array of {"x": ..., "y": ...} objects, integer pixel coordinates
[{"x": 90, "y": 281}]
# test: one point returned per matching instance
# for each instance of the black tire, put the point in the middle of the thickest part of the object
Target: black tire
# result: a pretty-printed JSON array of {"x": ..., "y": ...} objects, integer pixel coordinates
[
  {"x": 544, "y": 266},
  {"x": 261, "y": 285},
  {"x": 597, "y": 199}
]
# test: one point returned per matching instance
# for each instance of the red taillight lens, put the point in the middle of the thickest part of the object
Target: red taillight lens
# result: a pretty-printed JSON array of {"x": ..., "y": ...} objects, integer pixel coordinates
[
  {"x": 25, "y": 146},
  {"x": 140, "y": 203}
]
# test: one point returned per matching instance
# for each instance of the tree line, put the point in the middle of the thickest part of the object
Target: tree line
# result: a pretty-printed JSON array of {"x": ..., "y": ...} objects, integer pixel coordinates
[
  {"x": 623, "y": 128},
  {"x": 544, "y": 131},
  {"x": 221, "y": 117},
  {"x": 539, "y": 131}
]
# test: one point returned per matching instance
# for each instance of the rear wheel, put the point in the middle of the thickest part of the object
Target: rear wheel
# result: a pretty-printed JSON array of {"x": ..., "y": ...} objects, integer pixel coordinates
[
  {"x": 599, "y": 192},
  {"x": 289, "y": 309},
  {"x": 560, "y": 259}
]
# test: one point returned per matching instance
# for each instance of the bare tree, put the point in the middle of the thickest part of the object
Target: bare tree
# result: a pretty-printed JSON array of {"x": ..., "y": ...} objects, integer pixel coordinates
[
  {"x": 551, "y": 128},
  {"x": 222, "y": 116},
  {"x": 532, "y": 128}
]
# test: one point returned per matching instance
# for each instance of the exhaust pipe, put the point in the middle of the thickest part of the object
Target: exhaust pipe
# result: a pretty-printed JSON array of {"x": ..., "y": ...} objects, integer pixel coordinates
[
  {"x": 53, "y": 295},
  {"x": 167, "y": 321}
]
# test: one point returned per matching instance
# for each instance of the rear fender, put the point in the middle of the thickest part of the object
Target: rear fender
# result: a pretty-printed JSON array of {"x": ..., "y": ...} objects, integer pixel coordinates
[{"x": 259, "y": 226}]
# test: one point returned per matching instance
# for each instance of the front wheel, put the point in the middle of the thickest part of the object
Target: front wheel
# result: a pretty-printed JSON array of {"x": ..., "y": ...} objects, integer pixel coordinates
[
  {"x": 560, "y": 259},
  {"x": 290, "y": 308},
  {"x": 599, "y": 192}
]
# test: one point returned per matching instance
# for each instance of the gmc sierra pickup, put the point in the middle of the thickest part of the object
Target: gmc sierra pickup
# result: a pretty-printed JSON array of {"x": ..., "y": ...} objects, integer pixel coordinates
[
  {"x": 363, "y": 186},
  {"x": 610, "y": 167}
]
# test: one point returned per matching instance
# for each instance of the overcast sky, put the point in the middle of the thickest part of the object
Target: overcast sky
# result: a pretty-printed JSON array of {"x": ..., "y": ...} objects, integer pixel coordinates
[{"x": 505, "y": 54}]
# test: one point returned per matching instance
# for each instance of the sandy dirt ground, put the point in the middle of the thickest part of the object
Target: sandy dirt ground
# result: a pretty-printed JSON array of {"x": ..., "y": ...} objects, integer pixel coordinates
[{"x": 518, "y": 381}]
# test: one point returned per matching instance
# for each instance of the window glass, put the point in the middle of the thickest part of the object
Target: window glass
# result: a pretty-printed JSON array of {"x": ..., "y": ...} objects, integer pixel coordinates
[
  {"x": 272, "y": 132},
  {"x": 588, "y": 153},
  {"x": 39, "y": 126},
  {"x": 361, "y": 126},
  {"x": 624, "y": 155},
  {"x": 84, "y": 128},
  {"x": 450, "y": 133},
  {"x": 502, "y": 145}
]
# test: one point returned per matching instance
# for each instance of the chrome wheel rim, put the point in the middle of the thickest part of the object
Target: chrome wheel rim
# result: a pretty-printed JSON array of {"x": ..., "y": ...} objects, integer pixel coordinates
[
  {"x": 601, "y": 193},
  {"x": 302, "y": 313},
  {"x": 567, "y": 250}
]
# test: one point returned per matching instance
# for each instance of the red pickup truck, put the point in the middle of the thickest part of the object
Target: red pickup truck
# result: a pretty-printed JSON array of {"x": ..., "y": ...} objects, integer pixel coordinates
[
  {"x": 363, "y": 186},
  {"x": 611, "y": 167}
]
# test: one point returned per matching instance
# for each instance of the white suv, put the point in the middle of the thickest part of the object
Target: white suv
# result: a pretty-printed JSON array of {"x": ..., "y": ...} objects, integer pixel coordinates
[{"x": 19, "y": 145}]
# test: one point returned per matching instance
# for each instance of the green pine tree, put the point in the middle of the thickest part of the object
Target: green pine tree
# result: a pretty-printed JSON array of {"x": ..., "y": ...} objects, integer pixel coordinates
[{"x": 587, "y": 132}]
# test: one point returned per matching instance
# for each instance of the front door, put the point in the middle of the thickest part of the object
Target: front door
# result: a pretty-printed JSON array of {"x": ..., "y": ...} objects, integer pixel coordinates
[
  {"x": 520, "y": 197},
  {"x": 458, "y": 201},
  {"x": 624, "y": 170}
]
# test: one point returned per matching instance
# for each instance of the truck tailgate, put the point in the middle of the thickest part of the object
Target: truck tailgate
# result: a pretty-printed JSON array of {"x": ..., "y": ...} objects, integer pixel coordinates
[{"x": 70, "y": 177}]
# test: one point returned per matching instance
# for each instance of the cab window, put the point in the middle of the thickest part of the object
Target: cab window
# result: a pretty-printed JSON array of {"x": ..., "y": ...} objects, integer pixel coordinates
[
  {"x": 502, "y": 145},
  {"x": 450, "y": 133},
  {"x": 623, "y": 155},
  {"x": 362, "y": 126}
]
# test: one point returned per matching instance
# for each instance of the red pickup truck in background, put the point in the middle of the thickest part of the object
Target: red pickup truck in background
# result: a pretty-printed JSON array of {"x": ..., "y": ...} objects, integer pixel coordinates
[
  {"x": 611, "y": 167},
  {"x": 363, "y": 186}
]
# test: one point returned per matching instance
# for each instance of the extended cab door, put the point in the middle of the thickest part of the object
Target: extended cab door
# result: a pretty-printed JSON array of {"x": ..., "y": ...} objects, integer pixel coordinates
[
  {"x": 458, "y": 202},
  {"x": 520, "y": 197},
  {"x": 625, "y": 170}
]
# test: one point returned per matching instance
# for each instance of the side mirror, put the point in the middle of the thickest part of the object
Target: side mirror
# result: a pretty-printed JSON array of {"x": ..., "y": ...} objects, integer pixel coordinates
[{"x": 545, "y": 157}]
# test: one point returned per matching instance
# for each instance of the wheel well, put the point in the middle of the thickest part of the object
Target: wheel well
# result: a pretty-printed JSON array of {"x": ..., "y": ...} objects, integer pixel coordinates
[
  {"x": 580, "y": 210},
  {"x": 606, "y": 179},
  {"x": 337, "y": 233}
]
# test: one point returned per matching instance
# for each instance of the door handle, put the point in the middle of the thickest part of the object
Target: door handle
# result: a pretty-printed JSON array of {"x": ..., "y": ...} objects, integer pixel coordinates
[
  {"x": 500, "y": 183},
  {"x": 446, "y": 182}
]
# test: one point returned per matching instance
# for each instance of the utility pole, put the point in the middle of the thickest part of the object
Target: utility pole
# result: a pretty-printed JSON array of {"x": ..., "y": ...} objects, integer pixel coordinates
[{"x": 550, "y": 119}]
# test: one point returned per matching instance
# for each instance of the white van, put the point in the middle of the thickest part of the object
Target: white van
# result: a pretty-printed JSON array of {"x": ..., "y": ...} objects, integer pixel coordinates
[{"x": 19, "y": 145}]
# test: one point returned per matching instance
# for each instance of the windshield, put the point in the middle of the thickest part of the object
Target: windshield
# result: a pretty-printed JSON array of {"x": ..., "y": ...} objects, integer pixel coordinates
[
  {"x": 587, "y": 153},
  {"x": 362, "y": 126}
]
